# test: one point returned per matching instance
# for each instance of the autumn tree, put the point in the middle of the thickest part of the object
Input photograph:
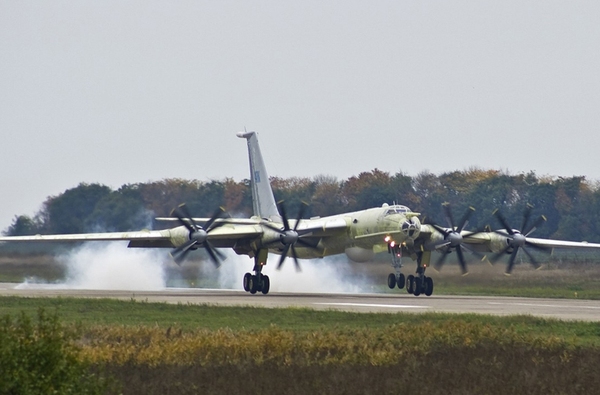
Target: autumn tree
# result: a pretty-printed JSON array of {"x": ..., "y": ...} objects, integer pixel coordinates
[
  {"x": 369, "y": 189},
  {"x": 571, "y": 205},
  {"x": 237, "y": 197},
  {"x": 69, "y": 211},
  {"x": 293, "y": 192},
  {"x": 326, "y": 198},
  {"x": 22, "y": 225}
]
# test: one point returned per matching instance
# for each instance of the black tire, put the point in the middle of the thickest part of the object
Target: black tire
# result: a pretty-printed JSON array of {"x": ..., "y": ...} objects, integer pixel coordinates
[
  {"x": 266, "y": 285},
  {"x": 253, "y": 285},
  {"x": 246, "y": 282},
  {"x": 392, "y": 281},
  {"x": 428, "y": 286},
  {"x": 401, "y": 281},
  {"x": 418, "y": 287},
  {"x": 410, "y": 284}
]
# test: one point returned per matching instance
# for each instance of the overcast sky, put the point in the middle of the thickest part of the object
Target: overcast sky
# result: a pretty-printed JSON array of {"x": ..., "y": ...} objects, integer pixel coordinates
[{"x": 120, "y": 92}]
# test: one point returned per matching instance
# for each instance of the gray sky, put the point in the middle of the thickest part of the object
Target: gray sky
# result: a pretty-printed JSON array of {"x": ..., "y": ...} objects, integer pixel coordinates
[{"x": 121, "y": 92}]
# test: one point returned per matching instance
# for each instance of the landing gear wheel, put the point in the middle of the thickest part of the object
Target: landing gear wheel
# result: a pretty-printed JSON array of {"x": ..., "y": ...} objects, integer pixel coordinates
[
  {"x": 246, "y": 282},
  {"x": 253, "y": 285},
  {"x": 266, "y": 284},
  {"x": 401, "y": 281},
  {"x": 410, "y": 284},
  {"x": 392, "y": 281},
  {"x": 418, "y": 286},
  {"x": 428, "y": 286}
]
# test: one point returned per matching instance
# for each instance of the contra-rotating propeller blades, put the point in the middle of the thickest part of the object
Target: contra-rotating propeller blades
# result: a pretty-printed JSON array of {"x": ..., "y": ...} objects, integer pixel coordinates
[
  {"x": 517, "y": 239},
  {"x": 453, "y": 237},
  {"x": 289, "y": 236},
  {"x": 198, "y": 235}
]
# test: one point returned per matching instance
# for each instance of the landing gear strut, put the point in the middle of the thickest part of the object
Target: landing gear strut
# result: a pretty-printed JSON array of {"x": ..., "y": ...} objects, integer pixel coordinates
[{"x": 257, "y": 282}]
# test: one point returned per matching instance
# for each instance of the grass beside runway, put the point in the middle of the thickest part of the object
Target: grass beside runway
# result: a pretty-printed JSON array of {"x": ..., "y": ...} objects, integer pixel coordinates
[
  {"x": 157, "y": 348},
  {"x": 191, "y": 317},
  {"x": 566, "y": 280}
]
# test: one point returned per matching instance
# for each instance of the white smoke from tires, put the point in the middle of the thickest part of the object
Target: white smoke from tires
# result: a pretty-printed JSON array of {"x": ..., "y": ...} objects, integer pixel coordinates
[
  {"x": 327, "y": 275},
  {"x": 112, "y": 266}
]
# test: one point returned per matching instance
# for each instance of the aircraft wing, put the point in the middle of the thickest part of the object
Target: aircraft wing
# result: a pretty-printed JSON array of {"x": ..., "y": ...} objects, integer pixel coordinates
[
  {"x": 548, "y": 243},
  {"x": 224, "y": 236},
  {"x": 321, "y": 227},
  {"x": 233, "y": 233},
  {"x": 110, "y": 236},
  {"x": 173, "y": 222},
  {"x": 485, "y": 238}
]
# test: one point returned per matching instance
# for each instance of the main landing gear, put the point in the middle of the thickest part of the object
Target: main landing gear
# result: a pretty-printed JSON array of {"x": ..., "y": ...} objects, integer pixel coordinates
[
  {"x": 415, "y": 284},
  {"x": 419, "y": 284},
  {"x": 257, "y": 282}
]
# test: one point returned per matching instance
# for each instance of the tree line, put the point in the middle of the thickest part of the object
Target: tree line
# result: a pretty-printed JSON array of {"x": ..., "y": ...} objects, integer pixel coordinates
[{"x": 570, "y": 204}]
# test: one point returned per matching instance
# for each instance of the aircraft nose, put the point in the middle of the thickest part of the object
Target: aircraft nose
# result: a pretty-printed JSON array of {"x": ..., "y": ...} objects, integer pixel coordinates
[{"x": 410, "y": 228}]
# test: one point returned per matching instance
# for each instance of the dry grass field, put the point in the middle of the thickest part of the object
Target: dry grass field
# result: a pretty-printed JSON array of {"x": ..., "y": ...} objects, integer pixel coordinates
[{"x": 329, "y": 353}]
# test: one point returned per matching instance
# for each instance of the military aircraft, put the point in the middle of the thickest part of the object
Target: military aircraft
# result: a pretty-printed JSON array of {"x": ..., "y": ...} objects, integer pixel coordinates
[{"x": 360, "y": 235}]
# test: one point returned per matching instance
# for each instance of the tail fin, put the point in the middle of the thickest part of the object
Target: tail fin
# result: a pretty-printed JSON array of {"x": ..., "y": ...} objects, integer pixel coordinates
[{"x": 263, "y": 201}]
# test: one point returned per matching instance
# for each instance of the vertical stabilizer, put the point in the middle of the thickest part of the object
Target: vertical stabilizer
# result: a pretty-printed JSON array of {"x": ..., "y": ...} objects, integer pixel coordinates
[{"x": 263, "y": 201}]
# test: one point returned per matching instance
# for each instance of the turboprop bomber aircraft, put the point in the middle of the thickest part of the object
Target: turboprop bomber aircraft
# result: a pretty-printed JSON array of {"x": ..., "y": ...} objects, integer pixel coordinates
[{"x": 360, "y": 235}]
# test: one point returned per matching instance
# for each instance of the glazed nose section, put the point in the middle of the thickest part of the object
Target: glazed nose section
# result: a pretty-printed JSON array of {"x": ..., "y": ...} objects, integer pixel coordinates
[{"x": 411, "y": 227}]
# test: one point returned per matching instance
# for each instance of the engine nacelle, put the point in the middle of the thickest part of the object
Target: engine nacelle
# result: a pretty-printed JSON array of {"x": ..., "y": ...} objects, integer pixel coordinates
[{"x": 358, "y": 254}]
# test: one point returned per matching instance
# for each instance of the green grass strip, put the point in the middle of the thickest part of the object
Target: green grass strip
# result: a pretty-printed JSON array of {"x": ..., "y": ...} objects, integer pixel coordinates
[{"x": 192, "y": 317}]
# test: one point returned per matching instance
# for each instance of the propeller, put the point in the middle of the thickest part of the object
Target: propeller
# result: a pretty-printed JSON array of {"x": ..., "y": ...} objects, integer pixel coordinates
[
  {"x": 517, "y": 239},
  {"x": 288, "y": 236},
  {"x": 198, "y": 235},
  {"x": 453, "y": 239}
]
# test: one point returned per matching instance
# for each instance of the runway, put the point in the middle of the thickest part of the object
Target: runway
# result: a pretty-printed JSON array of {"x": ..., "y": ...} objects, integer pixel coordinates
[{"x": 584, "y": 310}]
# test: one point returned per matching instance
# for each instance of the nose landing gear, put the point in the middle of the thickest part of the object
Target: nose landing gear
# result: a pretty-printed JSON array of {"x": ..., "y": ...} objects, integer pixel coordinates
[{"x": 396, "y": 278}]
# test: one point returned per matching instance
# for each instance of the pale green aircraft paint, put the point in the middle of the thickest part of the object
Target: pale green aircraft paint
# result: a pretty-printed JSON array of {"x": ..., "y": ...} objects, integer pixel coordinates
[{"x": 361, "y": 234}]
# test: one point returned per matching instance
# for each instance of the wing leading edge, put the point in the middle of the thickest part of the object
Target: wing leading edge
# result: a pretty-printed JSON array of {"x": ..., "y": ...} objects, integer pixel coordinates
[{"x": 225, "y": 236}]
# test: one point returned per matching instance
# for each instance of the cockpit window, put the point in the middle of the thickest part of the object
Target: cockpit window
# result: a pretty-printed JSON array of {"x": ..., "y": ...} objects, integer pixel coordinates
[{"x": 397, "y": 209}]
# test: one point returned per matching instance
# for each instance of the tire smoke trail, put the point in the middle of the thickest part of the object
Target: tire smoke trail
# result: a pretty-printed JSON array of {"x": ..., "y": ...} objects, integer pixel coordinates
[{"x": 112, "y": 266}]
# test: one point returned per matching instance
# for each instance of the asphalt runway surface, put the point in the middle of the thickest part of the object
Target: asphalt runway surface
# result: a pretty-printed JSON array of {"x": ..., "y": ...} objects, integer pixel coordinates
[{"x": 585, "y": 310}]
